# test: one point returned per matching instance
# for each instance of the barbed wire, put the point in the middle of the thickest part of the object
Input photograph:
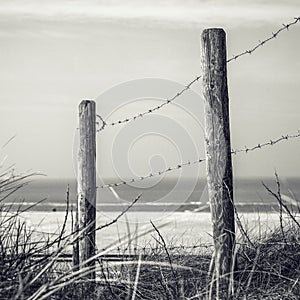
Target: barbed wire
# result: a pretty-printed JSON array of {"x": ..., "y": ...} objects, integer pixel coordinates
[
  {"x": 156, "y": 248},
  {"x": 200, "y": 160},
  {"x": 188, "y": 86},
  {"x": 132, "y": 180},
  {"x": 269, "y": 143},
  {"x": 149, "y": 111},
  {"x": 261, "y": 43}
]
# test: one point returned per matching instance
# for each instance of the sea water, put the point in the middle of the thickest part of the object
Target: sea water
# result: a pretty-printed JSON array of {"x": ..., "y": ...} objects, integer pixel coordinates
[{"x": 188, "y": 195}]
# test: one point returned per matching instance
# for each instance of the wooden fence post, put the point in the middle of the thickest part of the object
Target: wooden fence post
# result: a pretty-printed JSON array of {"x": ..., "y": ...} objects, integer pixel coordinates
[
  {"x": 218, "y": 154},
  {"x": 86, "y": 184}
]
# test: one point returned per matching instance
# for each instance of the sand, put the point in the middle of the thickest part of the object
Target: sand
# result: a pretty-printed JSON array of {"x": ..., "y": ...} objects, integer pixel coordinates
[{"x": 178, "y": 228}]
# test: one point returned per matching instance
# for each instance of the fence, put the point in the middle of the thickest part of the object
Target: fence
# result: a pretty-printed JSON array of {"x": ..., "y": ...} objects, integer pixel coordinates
[{"x": 218, "y": 156}]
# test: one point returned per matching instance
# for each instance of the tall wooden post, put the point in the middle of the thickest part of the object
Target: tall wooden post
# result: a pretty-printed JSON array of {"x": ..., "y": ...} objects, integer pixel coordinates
[
  {"x": 218, "y": 153},
  {"x": 86, "y": 183}
]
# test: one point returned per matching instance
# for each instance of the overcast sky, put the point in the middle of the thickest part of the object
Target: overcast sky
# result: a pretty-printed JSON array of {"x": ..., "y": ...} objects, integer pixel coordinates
[{"x": 53, "y": 54}]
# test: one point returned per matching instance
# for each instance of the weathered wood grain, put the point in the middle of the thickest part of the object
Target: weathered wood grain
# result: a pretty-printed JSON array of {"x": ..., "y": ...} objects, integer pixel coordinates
[
  {"x": 218, "y": 150},
  {"x": 86, "y": 183}
]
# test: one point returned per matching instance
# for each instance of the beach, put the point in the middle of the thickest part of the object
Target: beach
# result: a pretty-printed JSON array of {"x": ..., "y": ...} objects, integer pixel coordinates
[{"x": 186, "y": 229}]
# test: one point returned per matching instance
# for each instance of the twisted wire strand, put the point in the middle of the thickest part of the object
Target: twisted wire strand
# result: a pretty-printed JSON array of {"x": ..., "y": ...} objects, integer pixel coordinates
[
  {"x": 149, "y": 111},
  {"x": 160, "y": 247},
  {"x": 261, "y": 43},
  {"x": 200, "y": 160},
  {"x": 137, "y": 179},
  {"x": 269, "y": 143}
]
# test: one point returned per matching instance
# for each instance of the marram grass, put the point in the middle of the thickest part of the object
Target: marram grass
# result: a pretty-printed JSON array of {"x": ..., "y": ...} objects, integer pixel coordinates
[{"x": 267, "y": 267}]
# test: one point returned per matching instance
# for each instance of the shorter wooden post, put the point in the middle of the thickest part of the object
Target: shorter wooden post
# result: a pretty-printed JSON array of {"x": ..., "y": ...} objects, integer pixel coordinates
[
  {"x": 218, "y": 153},
  {"x": 86, "y": 184}
]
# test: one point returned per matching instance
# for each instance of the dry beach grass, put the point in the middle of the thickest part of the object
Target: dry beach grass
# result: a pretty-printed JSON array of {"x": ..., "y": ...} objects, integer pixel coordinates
[{"x": 267, "y": 266}]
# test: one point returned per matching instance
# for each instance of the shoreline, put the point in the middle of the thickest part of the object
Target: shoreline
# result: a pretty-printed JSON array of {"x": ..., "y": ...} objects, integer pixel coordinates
[
  {"x": 146, "y": 207},
  {"x": 178, "y": 228}
]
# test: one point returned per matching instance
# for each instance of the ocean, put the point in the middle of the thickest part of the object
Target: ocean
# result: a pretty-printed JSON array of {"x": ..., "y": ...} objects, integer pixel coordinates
[{"x": 168, "y": 195}]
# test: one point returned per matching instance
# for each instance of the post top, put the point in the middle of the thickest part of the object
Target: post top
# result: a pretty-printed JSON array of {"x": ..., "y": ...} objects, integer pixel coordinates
[
  {"x": 87, "y": 102},
  {"x": 214, "y": 29},
  {"x": 213, "y": 33}
]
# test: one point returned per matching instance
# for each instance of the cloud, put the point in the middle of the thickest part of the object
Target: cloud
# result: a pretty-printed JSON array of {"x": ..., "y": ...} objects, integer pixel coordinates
[{"x": 176, "y": 13}]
